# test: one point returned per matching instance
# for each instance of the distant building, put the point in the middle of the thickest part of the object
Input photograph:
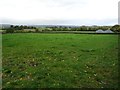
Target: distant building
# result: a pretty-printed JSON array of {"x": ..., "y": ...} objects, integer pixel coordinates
[
  {"x": 106, "y": 31},
  {"x": 99, "y": 31}
]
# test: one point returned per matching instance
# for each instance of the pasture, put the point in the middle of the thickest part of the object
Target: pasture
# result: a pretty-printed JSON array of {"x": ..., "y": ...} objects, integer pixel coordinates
[{"x": 34, "y": 60}]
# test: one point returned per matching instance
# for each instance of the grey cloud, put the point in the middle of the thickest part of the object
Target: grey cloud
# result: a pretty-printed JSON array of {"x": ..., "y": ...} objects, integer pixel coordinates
[
  {"x": 65, "y": 22},
  {"x": 52, "y": 22}
]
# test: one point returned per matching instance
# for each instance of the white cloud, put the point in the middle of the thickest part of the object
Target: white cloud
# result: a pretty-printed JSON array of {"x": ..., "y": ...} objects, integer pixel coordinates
[{"x": 59, "y": 11}]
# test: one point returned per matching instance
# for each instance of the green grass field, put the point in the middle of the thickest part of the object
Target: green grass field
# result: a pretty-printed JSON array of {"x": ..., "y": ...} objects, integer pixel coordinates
[{"x": 34, "y": 60}]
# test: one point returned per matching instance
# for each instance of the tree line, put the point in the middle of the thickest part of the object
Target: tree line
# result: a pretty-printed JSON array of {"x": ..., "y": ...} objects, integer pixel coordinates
[
  {"x": 12, "y": 28},
  {"x": 115, "y": 28},
  {"x": 81, "y": 28}
]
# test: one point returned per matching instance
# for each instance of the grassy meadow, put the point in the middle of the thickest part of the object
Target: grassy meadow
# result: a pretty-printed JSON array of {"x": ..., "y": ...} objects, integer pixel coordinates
[{"x": 33, "y": 60}]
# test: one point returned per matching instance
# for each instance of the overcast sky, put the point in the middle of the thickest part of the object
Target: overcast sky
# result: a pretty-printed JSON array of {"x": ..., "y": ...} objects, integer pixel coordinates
[{"x": 60, "y": 12}]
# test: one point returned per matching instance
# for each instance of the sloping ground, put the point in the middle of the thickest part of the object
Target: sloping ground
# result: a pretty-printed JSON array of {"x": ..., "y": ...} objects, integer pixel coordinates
[{"x": 60, "y": 61}]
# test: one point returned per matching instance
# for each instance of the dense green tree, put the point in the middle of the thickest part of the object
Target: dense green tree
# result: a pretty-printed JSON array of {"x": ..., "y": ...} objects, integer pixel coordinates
[
  {"x": 116, "y": 28},
  {"x": 10, "y": 30}
]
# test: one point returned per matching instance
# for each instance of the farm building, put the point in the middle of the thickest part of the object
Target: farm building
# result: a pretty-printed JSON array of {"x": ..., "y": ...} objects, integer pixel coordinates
[
  {"x": 106, "y": 31},
  {"x": 99, "y": 31}
]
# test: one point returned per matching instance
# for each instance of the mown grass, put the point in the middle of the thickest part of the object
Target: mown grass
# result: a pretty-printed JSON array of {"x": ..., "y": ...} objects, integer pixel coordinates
[{"x": 60, "y": 61}]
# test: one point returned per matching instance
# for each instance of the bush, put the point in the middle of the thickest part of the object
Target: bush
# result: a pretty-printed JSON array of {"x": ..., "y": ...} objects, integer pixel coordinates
[
  {"x": 36, "y": 30},
  {"x": 116, "y": 28},
  {"x": 10, "y": 30}
]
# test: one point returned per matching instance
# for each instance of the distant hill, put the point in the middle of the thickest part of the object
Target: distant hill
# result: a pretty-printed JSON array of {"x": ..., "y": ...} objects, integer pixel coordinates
[
  {"x": 2, "y": 26},
  {"x": 72, "y": 26},
  {"x": 39, "y": 26}
]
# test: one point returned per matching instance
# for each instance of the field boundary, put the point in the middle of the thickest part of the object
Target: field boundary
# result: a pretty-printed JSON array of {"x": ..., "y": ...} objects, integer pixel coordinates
[{"x": 64, "y": 33}]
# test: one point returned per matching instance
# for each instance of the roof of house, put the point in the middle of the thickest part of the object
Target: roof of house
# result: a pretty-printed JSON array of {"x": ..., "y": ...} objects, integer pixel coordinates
[{"x": 106, "y": 31}]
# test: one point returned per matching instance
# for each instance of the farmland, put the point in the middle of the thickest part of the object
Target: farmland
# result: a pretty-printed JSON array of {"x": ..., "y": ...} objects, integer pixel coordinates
[{"x": 34, "y": 60}]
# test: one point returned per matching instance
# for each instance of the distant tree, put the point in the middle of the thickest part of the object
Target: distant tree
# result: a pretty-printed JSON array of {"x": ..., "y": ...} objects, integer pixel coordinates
[
  {"x": 10, "y": 30},
  {"x": 104, "y": 27},
  {"x": 21, "y": 27},
  {"x": 115, "y": 28},
  {"x": 11, "y": 26},
  {"x": 16, "y": 27},
  {"x": 83, "y": 28},
  {"x": 54, "y": 28},
  {"x": 25, "y": 27},
  {"x": 65, "y": 29},
  {"x": 90, "y": 29}
]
